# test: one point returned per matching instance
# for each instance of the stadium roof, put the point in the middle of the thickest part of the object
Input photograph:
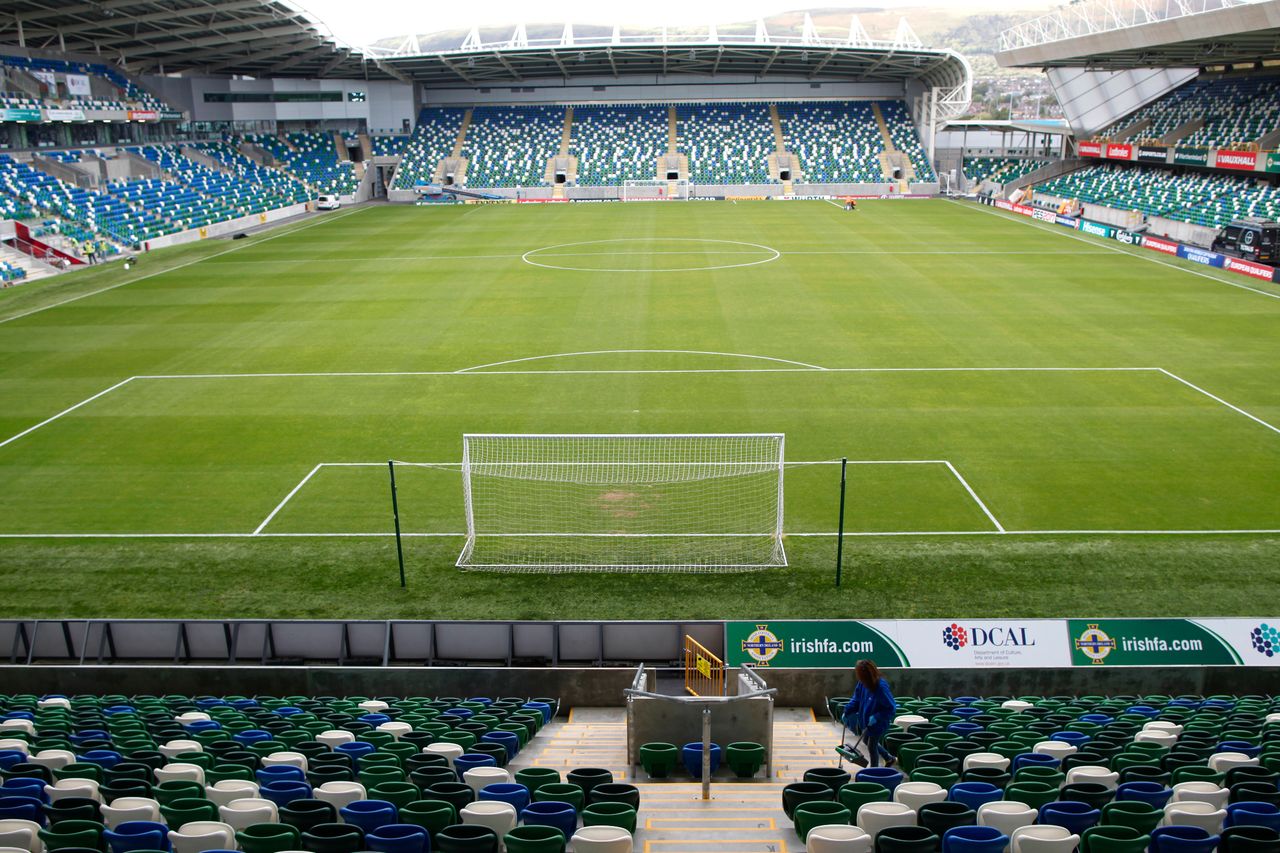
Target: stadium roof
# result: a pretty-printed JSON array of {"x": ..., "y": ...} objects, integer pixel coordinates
[
  {"x": 605, "y": 52},
  {"x": 1116, "y": 35},
  {"x": 256, "y": 38},
  {"x": 274, "y": 38}
]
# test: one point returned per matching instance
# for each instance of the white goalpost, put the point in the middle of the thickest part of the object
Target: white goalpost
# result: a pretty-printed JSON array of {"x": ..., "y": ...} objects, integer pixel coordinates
[
  {"x": 655, "y": 190},
  {"x": 623, "y": 502}
]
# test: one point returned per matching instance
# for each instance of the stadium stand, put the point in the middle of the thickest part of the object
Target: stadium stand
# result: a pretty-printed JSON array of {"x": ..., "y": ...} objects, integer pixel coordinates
[
  {"x": 96, "y": 214},
  {"x": 974, "y": 774},
  {"x": 903, "y": 134},
  {"x": 261, "y": 187},
  {"x": 209, "y": 196},
  {"x": 388, "y": 146},
  {"x": 10, "y": 274},
  {"x": 432, "y": 140},
  {"x": 726, "y": 143},
  {"x": 618, "y": 143},
  {"x": 312, "y": 158},
  {"x": 509, "y": 146},
  {"x": 315, "y": 160},
  {"x": 1206, "y": 199},
  {"x": 219, "y": 773},
  {"x": 999, "y": 169},
  {"x": 836, "y": 141},
  {"x": 1234, "y": 110},
  {"x": 57, "y": 69}
]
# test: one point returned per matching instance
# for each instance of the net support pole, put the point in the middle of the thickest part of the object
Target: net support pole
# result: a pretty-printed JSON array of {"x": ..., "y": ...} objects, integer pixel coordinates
[
  {"x": 395, "y": 515},
  {"x": 844, "y": 465}
]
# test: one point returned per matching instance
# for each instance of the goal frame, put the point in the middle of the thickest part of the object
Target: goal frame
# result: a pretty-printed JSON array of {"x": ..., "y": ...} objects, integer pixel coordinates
[
  {"x": 659, "y": 190},
  {"x": 776, "y": 534}
]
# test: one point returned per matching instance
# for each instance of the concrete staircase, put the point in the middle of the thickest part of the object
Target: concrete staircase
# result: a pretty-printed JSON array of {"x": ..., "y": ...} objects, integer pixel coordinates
[
  {"x": 66, "y": 172},
  {"x": 891, "y": 157},
  {"x": 742, "y": 816},
  {"x": 564, "y": 161},
  {"x": 455, "y": 164},
  {"x": 1133, "y": 130},
  {"x": 461, "y": 138},
  {"x": 203, "y": 159},
  {"x": 673, "y": 160},
  {"x": 19, "y": 80},
  {"x": 1044, "y": 173},
  {"x": 1269, "y": 141},
  {"x": 782, "y": 160},
  {"x": 257, "y": 154},
  {"x": 1182, "y": 131},
  {"x": 35, "y": 269}
]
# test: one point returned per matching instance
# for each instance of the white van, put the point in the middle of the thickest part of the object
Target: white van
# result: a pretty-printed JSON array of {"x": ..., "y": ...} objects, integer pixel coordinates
[{"x": 328, "y": 202}]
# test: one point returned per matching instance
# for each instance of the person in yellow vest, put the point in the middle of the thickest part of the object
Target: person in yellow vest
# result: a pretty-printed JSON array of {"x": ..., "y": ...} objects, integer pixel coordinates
[{"x": 90, "y": 250}]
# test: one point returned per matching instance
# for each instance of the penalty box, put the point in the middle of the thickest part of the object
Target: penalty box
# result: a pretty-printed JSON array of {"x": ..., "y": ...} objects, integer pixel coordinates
[{"x": 1074, "y": 449}]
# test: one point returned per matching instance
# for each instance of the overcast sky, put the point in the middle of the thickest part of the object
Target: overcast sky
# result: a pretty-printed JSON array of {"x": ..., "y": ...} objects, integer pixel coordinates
[{"x": 364, "y": 21}]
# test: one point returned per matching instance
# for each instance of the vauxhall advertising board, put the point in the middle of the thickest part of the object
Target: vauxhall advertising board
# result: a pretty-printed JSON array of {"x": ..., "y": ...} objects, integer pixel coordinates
[
  {"x": 1245, "y": 161},
  {"x": 984, "y": 643}
]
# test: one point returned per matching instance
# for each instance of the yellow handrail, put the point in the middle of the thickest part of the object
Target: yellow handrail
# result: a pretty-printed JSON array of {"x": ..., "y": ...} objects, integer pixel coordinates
[{"x": 703, "y": 671}]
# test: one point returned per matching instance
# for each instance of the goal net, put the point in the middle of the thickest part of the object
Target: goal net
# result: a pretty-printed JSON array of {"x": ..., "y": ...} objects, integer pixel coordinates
[
  {"x": 687, "y": 503},
  {"x": 655, "y": 190}
]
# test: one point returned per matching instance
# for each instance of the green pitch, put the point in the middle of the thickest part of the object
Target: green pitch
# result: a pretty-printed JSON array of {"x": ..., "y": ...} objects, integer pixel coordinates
[{"x": 1037, "y": 423}]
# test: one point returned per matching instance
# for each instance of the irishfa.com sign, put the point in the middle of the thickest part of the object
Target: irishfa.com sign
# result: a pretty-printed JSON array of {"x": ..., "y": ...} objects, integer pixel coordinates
[{"x": 968, "y": 643}]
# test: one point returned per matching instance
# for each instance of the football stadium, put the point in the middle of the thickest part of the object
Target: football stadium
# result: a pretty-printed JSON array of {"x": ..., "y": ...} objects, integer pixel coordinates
[{"x": 509, "y": 438}]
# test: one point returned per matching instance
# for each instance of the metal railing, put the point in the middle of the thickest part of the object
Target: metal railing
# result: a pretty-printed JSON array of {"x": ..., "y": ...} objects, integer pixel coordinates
[
  {"x": 703, "y": 671},
  {"x": 1088, "y": 17},
  {"x": 707, "y": 705}
]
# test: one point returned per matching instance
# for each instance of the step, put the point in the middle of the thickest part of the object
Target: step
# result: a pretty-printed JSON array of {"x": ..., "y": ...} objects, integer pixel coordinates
[
  {"x": 36, "y": 270},
  {"x": 742, "y": 816}
]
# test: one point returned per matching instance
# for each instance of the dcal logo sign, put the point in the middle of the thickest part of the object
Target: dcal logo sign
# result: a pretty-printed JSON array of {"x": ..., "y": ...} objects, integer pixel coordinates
[
  {"x": 954, "y": 637},
  {"x": 762, "y": 644},
  {"x": 986, "y": 637},
  {"x": 1265, "y": 639}
]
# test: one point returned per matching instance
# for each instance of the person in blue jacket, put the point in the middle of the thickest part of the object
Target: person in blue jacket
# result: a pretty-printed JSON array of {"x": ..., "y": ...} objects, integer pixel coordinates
[{"x": 870, "y": 712}]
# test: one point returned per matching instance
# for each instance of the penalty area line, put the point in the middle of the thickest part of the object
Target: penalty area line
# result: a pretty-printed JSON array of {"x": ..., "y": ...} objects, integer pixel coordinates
[
  {"x": 258, "y": 530},
  {"x": 981, "y": 505}
]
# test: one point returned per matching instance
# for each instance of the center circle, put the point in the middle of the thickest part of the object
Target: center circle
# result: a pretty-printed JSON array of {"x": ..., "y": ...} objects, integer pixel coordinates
[{"x": 663, "y": 254}]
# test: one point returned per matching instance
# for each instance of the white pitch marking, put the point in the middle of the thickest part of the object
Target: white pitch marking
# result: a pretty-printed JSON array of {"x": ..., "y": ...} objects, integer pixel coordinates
[
  {"x": 639, "y": 351},
  {"x": 334, "y": 260},
  {"x": 66, "y": 411},
  {"x": 533, "y": 261},
  {"x": 347, "y": 260},
  {"x": 475, "y": 371},
  {"x": 1218, "y": 399},
  {"x": 287, "y": 498},
  {"x": 982, "y": 506},
  {"x": 1143, "y": 256},
  {"x": 544, "y": 254},
  {"x": 178, "y": 267}
]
